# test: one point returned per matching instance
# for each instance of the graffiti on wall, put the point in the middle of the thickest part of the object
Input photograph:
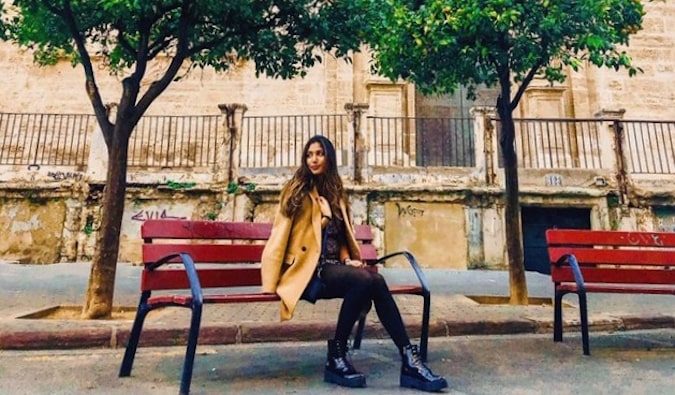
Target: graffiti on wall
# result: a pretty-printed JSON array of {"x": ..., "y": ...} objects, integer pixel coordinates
[
  {"x": 409, "y": 211},
  {"x": 65, "y": 175},
  {"x": 144, "y": 215}
]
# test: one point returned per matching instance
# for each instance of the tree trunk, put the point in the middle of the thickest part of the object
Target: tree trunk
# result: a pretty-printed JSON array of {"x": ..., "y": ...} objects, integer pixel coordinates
[
  {"x": 99, "y": 297},
  {"x": 514, "y": 242}
]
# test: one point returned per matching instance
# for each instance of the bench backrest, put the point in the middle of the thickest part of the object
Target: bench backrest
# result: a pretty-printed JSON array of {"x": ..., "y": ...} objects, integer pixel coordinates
[
  {"x": 613, "y": 256},
  {"x": 229, "y": 252}
]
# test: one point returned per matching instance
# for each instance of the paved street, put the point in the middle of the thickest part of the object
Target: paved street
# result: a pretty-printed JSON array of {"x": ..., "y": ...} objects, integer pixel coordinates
[{"x": 633, "y": 362}]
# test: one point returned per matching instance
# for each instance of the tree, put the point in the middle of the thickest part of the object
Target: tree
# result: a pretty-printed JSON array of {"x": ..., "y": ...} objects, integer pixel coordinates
[
  {"x": 283, "y": 38},
  {"x": 439, "y": 44}
]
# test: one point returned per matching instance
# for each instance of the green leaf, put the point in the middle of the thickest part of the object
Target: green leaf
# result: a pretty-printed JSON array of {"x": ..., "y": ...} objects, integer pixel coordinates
[{"x": 448, "y": 43}]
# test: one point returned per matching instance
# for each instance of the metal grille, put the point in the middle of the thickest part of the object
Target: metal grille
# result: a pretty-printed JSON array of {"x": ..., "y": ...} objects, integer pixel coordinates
[
  {"x": 45, "y": 139},
  {"x": 391, "y": 141},
  {"x": 650, "y": 146},
  {"x": 175, "y": 142},
  {"x": 445, "y": 142},
  {"x": 277, "y": 141},
  {"x": 557, "y": 143},
  {"x": 409, "y": 142}
]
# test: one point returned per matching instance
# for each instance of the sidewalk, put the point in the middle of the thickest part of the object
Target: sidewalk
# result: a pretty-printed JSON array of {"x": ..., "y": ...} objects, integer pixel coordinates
[{"x": 26, "y": 289}]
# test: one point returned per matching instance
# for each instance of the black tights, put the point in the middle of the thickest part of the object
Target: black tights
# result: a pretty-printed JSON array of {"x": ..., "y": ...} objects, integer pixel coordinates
[{"x": 358, "y": 287}]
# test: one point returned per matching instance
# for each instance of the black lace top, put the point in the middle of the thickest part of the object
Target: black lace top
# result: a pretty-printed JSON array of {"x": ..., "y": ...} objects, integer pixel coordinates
[{"x": 336, "y": 237}]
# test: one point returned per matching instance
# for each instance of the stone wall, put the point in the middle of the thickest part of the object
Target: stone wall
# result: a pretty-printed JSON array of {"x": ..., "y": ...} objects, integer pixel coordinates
[
  {"x": 448, "y": 217},
  {"x": 649, "y": 95},
  {"x": 443, "y": 228},
  {"x": 51, "y": 214}
]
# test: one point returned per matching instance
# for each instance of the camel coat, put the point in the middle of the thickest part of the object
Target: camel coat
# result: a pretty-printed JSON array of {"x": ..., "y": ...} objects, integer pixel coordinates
[{"x": 292, "y": 252}]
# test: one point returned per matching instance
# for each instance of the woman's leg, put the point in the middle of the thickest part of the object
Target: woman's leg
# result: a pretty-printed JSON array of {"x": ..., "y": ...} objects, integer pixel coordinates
[
  {"x": 387, "y": 311},
  {"x": 354, "y": 287},
  {"x": 358, "y": 287},
  {"x": 351, "y": 284}
]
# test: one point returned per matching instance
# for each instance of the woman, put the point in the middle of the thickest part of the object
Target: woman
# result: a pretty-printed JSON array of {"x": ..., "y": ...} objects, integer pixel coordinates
[{"x": 312, "y": 202}]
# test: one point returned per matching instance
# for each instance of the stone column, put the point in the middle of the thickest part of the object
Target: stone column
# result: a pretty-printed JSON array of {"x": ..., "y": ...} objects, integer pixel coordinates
[
  {"x": 356, "y": 113},
  {"x": 485, "y": 142},
  {"x": 227, "y": 163},
  {"x": 73, "y": 225},
  {"x": 609, "y": 139},
  {"x": 614, "y": 138}
]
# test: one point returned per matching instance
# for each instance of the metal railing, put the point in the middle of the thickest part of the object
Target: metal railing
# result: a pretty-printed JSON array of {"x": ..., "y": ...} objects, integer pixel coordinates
[
  {"x": 277, "y": 141},
  {"x": 557, "y": 143},
  {"x": 175, "y": 142},
  {"x": 649, "y": 146},
  {"x": 268, "y": 142},
  {"x": 421, "y": 142},
  {"x": 38, "y": 140}
]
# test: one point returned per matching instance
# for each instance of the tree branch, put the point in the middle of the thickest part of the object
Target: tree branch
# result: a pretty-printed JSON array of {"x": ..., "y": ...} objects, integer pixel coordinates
[
  {"x": 526, "y": 81},
  {"x": 90, "y": 85},
  {"x": 157, "y": 87}
]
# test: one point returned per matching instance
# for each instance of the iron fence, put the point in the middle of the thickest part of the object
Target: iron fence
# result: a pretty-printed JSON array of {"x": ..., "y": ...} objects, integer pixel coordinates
[
  {"x": 557, "y": 143},
  {"x": 422, "y": 142},
  {"x": 649, "y": 146},
  {"x": 277, "y": 141},
  {"x": 37, "y": 140},
  {"x": 175, "y": 142}
]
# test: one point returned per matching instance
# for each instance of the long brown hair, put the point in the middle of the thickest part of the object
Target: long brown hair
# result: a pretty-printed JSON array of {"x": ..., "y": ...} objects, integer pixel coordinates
[{"x": 329, "y": 184}]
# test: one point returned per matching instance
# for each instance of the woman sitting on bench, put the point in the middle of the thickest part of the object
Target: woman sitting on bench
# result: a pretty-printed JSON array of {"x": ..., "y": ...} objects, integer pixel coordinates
[{"x": 313, "y": 202}]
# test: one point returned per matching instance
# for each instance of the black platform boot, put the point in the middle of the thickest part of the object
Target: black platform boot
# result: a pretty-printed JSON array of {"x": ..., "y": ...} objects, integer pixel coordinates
[
  {"x": 339, "y": 369},
  {"x": 415, "y": 374}
]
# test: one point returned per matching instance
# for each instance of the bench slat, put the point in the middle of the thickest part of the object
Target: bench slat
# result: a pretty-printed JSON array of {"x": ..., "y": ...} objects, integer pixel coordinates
[
  {"x": 177, "y": 229},
  {"x": 368, "y": 252},
  {"x": 211, "y": 253},
  {"x": 406, "y": 289},
  {"x": 165, "y": 279},
  {"x": 363, "y": 233},
  {"x": 223, "y": 253},
  {"x": 619, "y": 289},
  {"x": 592, "y": 256},
  {"x": 609, "y": 238},
  {"x": 615, "y": 275},
  {"x": 180, "y": 229},
  {"x": 186, "y": 300}
]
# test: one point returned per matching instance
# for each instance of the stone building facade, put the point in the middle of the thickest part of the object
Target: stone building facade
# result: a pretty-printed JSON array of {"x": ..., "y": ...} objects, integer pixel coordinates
[{"x": 51, "y": 212}]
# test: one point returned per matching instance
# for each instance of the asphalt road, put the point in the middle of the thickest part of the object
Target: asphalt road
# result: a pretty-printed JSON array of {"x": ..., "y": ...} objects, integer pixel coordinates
[{"x": 638, "y": 362}]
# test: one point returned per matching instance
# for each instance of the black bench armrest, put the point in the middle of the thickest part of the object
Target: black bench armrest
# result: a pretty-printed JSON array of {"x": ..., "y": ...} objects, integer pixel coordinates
[
  {"x": 571, "y": 260},
  {"x": 190, "y": 271},
  {"x": 413, "y": 263}
]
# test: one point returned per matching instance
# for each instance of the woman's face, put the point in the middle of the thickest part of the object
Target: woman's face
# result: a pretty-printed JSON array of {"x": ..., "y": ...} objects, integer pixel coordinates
[{"x": 316, "y": 159}]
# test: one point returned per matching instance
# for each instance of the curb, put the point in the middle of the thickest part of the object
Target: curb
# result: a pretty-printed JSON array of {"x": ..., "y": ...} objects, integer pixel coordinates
[{"x": 115, "y": 335}]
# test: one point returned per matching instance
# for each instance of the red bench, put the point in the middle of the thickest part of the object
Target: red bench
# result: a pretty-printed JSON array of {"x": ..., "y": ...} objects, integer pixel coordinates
[
  {"x": 585, "y": 261},
  {"x": 226, "y": 255}
]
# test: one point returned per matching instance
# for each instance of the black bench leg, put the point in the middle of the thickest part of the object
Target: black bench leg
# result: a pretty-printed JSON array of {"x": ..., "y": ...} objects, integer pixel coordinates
[
  {"x": 583, "y": 311},
  {"x": 424, "y": 338},
  {"x": 134, "y": 336},
  {"x": 193, "y": 337},
  {"x": 359, "y": 328},
  {"x": 557, "y": 317},
  {"x": 359, "y": 332}
]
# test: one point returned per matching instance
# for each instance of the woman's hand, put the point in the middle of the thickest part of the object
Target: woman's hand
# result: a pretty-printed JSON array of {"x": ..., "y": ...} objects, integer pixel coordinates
[
  {"x": 325, "y": 207},
  {"x": 355, "y": 263}
]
